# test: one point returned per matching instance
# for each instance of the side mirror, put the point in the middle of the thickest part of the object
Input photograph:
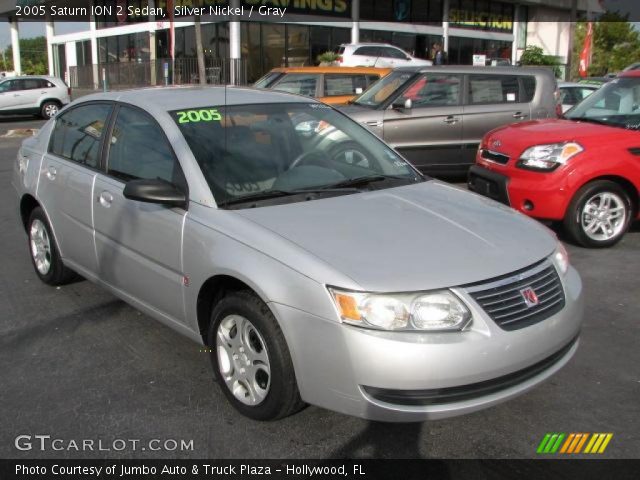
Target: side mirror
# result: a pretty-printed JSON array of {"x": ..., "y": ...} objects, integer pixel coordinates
[
  {"x": 402, "y": 104},
  {"x": 408, "y": 58},
  {"x": 155, "y": 191}
]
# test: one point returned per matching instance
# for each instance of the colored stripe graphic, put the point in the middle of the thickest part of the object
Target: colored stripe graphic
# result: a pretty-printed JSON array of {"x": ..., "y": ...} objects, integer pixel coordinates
[{"x": 573, "y": 443}]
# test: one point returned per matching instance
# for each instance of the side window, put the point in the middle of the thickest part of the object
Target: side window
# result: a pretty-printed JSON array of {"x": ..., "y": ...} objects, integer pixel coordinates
[
  {"x": 139, "y": 150},
  {"x": 32, "y": 84},
  {"x": 392, "y": 53},
  {"x": 485, "y": 89},
  {"x": 434, "y": 90},
  {"x": 337, "y": 84},
  {"x": 367, "y": 51},
  {"x": 300, "y": 83},
  {"x": 371, "y": 79},
  {"x": 528, "y": 88},
  {"x": 77, "y": 133},
  {"x": 12, "y": 85},
  {"x": 5, "y": 86}
]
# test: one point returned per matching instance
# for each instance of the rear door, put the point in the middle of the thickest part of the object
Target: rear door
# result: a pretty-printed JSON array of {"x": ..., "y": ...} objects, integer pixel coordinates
[
  {"x": 429, "y": 135},
  {"x": 139, "y": 245},
  {"x": 67, "y": 179},
  {"x": 32, "y": 90},
  {"x": 491, "y": 101}
]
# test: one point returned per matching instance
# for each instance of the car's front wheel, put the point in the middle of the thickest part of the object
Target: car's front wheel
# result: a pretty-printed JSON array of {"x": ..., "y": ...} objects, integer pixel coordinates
[
  {"x": 45, "y": 255},
  {"x": 599, "y": 214},
  {"x": 49, "y": 110},
  {"x": 250, "y": 358}
]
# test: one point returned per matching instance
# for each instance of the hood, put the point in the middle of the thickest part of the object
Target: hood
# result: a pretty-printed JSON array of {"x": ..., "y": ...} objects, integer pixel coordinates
[
  {"x": 519, "y": 136},
  {"x": 418, "y": 237}
]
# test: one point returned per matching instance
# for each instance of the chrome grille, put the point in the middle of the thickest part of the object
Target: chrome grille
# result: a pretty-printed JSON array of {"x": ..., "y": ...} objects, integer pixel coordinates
[{"x": 504, "y": 300}]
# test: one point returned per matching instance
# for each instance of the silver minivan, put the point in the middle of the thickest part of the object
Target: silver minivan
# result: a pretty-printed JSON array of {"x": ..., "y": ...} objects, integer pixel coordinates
[
  {"x": 314, "y": 261},
  {"x": 436, "y": 116}
]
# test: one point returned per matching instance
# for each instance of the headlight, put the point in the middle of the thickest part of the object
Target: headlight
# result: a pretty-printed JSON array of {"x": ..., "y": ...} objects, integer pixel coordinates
[
  {"x": 434, "y": 311},
  {"x": 548, "y": 157},
  {"x": 561, "y": 259}
]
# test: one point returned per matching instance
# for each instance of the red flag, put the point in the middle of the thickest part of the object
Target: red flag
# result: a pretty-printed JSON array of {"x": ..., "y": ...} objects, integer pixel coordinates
[{"x": 585, "y": 55}]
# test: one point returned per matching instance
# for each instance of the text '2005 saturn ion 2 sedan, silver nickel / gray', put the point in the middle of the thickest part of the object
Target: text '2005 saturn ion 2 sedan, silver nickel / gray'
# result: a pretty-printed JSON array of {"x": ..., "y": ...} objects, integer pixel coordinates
[{"x": 315, "y": 262}]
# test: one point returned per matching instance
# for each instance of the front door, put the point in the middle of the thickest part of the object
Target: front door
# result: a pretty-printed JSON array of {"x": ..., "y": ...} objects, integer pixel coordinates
[
  {"x": 67, "y": 179},
  {"x": 429, "y": 134},
  {"x": 139, "y": 245}
]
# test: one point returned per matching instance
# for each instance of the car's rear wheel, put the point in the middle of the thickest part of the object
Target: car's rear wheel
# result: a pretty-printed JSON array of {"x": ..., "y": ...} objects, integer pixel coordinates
[
  {"x": 49, "y": 109},
  {"x": 599, "y": 214},
  {"x": 45, "y": 255},
  {"x": 250, "y": 358}
]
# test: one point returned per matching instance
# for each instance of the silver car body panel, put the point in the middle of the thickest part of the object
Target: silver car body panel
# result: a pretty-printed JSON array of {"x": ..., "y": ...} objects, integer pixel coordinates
[{"x": 419, "y": 237}]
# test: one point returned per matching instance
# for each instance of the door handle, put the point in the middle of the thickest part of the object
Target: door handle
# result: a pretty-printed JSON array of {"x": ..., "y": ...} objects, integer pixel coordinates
[
  {"x": 51, "y": 173},
  {"x": 105, "y": 199},
  {"x": 373, "y": 123},
  {"x": 519, "y": 115},
  {"x": 451, "y": 120}
]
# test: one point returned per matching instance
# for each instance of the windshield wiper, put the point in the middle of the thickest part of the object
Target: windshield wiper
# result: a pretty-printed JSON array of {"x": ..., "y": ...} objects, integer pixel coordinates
[
  {"x": 363, "y": 181},
  {"x": 269, "y": 194},
  {"x": 593, "y": 120}
]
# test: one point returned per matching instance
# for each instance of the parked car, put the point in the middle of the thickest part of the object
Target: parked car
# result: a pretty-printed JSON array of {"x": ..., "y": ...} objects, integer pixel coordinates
[
  {"x": 266, "y": 225},
  {"x": 42, "y": 96},
  {"x": 582, "y": 170},
  {"x": 436, "y": 116},
  {"x": 572, "y": 93},
  {"x": 376, "y": 55},
  {"x": 333, "y": 85}
]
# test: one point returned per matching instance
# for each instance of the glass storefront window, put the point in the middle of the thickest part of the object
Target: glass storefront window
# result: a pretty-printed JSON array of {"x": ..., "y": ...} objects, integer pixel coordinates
[
  {"x": 273, "y": 51},
  {"x": 298, "y": 46}
]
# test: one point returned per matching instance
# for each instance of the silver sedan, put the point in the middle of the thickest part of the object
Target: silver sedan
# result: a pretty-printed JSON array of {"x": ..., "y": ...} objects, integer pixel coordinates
[{"x": 315, "y": 262}]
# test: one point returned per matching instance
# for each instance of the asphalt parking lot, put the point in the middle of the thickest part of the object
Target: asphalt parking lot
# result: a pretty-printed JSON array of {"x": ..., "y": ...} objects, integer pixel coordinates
[{"x": 79, "y": 364}]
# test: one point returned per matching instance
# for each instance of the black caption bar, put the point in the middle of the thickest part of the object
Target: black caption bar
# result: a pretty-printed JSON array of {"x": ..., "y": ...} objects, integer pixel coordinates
[{"x": 320, "y": 469}]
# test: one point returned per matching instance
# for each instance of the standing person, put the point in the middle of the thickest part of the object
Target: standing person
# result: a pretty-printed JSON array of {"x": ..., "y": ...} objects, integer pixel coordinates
[{"x": 438, "y": 54}]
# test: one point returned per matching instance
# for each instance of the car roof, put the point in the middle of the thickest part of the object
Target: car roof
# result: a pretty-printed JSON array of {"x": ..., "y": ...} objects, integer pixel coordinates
[
  {"x": 174, "y": 98},
  {"x": 630, "y": 73},
  {"x": 381, "y": 71},
  {"x": 369, "y": 44},
  {"x": 40, "y": 77},
  {"x": 471, "y": 69}
]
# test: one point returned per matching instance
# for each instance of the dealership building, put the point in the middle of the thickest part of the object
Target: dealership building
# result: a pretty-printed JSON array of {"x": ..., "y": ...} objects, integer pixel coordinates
[{"x": 132, "y": 46}]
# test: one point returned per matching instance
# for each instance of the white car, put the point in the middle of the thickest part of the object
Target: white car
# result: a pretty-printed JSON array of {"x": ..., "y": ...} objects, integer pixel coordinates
[
  {"x": 376, "y": 55},
  {"x": 573, "y": 93},
  {"x": 38, "y": 95}
]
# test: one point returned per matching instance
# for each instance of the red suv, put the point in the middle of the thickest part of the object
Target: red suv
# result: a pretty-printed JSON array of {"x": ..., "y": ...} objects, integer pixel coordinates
[{"x": 582, "y": 169}]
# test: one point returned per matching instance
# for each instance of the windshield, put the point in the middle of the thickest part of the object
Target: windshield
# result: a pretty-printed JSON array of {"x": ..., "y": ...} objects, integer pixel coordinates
[
  {"x": 383, "y": 89},
  {"x": 616, "y": 104},
  {"x": 277, "y": 153},
  {"x": 267, "y": 80}
]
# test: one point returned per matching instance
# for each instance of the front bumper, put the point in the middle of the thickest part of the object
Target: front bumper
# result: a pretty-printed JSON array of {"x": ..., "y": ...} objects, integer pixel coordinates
[
  {"x": 370, "y": 374},
  {"x": 537, "y": 194}
]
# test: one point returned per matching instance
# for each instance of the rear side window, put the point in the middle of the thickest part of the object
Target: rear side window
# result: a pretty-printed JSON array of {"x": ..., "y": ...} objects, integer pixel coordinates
[
  {"x": 300, "y": 83},
  {"x": 337, "y": 84},
  {"x": 528, "y": 88},
  {"x": 485, "y": 89},
  {"x": 267, "y": 80},
  {"x": 77, "y": 134},
  {"x": 367, "y": 51},
  {"x": 139, "y": 150}
]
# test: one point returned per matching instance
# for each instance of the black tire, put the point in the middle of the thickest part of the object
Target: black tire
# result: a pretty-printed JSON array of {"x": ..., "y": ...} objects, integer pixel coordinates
[
  {"x": 57, "y": 273},
  {"x": 283, "y": 398},
  {"x": 574, "y": 219},
  {"x": 49, "y": 109}
]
